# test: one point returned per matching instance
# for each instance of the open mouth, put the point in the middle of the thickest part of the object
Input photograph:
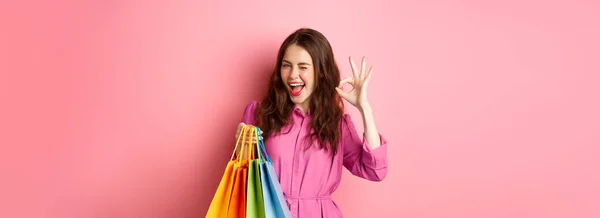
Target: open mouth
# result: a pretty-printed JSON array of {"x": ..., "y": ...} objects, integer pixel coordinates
[{"x": 296, "y": 88}]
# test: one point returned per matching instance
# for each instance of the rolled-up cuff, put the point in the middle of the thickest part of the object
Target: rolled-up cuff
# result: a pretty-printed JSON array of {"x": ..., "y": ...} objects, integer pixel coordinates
[{"x": 376, "y": 158}]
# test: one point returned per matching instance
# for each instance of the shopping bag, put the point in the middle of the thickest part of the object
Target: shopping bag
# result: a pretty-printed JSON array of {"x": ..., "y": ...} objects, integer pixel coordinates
[
  {"x": 254, "y": 202},
  {"x": 274, "y": 202},
  {"x": 237, "y": 203},
  {"x": 229, "y": 201},
  {"x": 220, "y": 203}
]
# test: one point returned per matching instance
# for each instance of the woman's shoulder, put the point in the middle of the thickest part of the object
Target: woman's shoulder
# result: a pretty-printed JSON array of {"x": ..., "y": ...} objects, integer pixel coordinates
[{"x": 346, "y": 121}]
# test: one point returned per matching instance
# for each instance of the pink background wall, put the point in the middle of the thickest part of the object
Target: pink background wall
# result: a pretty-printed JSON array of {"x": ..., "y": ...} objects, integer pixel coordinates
[{"x": 129, "y": 108}]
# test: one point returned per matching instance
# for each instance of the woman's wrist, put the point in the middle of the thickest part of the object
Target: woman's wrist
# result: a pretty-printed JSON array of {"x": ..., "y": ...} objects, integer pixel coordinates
[{"x": 364, "y": 108}]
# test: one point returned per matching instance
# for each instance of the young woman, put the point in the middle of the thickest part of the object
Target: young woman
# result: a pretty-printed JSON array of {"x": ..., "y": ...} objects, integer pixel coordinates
[{"x": 306, "y": 132}]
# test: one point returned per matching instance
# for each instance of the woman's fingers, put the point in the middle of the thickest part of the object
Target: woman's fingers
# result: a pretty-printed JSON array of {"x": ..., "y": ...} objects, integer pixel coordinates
[
  {"x": 363, "y": 67},
  {"x": 346, "y": 80},
  {"x": 249, "y": 138},
  {"x": 354, "y": 70},
  {"x": 239, "y": 129}
]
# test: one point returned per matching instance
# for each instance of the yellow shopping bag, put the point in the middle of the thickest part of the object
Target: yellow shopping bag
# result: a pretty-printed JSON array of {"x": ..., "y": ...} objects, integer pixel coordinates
[{"x": 229, "y": 200}]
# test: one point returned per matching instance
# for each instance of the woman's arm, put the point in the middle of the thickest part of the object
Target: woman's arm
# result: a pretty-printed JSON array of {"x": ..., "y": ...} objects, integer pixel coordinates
[
  {"x": 371, "y": 133},
  {"x": 360, "y": 157},
  {"x": 366, "y": 158},
  {"x": 247, "y": 118}
]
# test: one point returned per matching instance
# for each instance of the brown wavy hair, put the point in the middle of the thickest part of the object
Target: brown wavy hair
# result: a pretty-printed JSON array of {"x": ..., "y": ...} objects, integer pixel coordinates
[{"x": 326, "y": 106}]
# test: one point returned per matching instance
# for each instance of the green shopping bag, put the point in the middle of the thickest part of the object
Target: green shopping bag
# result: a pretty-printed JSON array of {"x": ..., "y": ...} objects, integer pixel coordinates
[
  {"x": 274, "y": 201},
  {"x": 254, "y": 201}
]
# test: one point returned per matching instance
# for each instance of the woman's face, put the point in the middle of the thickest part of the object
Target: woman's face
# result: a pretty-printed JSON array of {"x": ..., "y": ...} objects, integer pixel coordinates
[{"x": 298, "y": 75}]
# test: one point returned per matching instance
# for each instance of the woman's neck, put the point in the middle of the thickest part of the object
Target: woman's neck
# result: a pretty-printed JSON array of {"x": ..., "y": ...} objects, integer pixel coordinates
[{"x": 303, "y": 107}]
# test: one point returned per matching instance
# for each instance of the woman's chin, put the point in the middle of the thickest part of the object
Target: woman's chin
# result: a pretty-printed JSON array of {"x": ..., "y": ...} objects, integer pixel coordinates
[{"x": 298, "y": 99}]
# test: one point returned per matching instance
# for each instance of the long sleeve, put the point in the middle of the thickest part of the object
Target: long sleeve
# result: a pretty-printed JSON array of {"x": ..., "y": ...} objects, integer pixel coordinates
[
  {"x": 249, "y": 117},
  {"x": 358, "y": 159}
]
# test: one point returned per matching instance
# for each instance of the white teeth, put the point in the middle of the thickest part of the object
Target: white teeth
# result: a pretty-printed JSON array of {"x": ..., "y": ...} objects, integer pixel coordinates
[{"x": 296, "y": 84}]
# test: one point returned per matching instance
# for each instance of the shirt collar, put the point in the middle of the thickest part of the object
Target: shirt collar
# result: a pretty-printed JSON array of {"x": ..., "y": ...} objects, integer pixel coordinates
[{"x": 298, "y": 111}]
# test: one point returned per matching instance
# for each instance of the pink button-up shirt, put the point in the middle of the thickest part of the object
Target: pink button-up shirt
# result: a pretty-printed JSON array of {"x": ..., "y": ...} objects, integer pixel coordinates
[{"x": 308, "y": 177}]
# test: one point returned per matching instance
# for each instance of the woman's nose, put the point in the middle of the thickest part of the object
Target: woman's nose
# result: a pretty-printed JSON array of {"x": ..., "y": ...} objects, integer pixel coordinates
[{"x": 295, "y": 72}]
